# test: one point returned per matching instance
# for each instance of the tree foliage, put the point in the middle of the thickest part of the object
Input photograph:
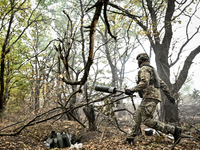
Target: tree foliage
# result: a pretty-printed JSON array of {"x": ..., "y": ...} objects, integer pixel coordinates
[{"x": 16, "y": 18}]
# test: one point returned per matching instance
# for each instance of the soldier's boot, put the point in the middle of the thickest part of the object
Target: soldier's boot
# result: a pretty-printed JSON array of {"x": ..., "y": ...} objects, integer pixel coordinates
[{"x": 177, "y": 135}]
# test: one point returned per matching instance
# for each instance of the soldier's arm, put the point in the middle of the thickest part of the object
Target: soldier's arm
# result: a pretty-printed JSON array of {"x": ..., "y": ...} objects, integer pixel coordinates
[{"x": 144, "y": 76}]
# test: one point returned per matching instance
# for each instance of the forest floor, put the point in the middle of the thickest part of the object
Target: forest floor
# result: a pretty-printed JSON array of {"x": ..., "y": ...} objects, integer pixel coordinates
[{"x": 106, "y": 138}]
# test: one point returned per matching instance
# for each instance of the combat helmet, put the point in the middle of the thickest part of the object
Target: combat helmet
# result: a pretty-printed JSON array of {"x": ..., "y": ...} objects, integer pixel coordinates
[{"x": 142, "y": 57}]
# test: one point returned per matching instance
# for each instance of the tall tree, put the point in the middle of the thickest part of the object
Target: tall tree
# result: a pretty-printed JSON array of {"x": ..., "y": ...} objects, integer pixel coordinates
[
  {"x": 67, "y": 48},
  {"x": 16, "y": 18}
]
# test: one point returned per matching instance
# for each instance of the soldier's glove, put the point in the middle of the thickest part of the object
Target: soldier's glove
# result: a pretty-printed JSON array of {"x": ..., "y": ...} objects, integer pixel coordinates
[
  {"x": 128, "y": 92},
  {"x": 171, "y": 99}
]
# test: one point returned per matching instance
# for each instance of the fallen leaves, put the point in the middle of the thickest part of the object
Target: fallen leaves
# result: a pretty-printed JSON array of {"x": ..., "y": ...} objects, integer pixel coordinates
[{"x": 107, "y": 138}]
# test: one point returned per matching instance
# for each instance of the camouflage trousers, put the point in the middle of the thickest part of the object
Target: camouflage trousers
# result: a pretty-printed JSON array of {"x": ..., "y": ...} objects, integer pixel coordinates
[{"x": 144, "y": 114}]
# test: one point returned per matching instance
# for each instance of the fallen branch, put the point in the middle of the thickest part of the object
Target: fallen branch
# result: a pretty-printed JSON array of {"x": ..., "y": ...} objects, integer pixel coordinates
[
  {"x": 35, "y": 120},
  {"x": 12, "y": 124}
]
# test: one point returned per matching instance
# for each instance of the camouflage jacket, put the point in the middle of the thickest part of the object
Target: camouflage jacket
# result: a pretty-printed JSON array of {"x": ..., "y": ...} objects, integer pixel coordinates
[{"x": 146, "y": 84}]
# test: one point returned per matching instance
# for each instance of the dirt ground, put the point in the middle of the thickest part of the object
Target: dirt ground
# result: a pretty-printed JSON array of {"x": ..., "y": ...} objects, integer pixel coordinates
[{"x": 106, "y": 138}]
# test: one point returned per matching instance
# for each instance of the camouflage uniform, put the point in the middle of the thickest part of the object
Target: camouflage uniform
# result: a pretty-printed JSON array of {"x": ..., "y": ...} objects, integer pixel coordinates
[{"x": 148, "y": 86}]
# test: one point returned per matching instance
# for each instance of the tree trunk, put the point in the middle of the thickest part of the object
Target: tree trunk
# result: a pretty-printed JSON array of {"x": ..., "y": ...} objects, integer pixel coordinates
[
  {"x": 72, "y": 103},
  {"x": 89, "y": 112},
  {"x": 169, "y": 112},
  {"x": 37, "y": 94},
  {"x": 2, "y": 100},
  {"x": 4, "y": 51}
]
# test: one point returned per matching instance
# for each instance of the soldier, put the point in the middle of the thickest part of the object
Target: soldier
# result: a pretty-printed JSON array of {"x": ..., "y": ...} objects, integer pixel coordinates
[{"x": 148, "y": 86}]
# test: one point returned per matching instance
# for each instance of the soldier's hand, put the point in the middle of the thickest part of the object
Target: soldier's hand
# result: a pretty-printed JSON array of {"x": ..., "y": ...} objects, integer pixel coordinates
[
  {"x": 128, "y": 92},
  {"x": 171, "y": 99}
]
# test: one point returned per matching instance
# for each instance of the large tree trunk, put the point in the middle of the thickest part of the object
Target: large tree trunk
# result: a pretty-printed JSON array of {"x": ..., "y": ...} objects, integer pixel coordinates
[
  {"x": 2, "y": 100},
  {"x": 4, "y": 51},
  {"x": 169, "y": 112}
]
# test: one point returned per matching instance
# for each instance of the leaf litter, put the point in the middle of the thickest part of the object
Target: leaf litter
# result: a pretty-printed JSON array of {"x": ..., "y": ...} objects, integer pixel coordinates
[{"x": 106, "y": 138}]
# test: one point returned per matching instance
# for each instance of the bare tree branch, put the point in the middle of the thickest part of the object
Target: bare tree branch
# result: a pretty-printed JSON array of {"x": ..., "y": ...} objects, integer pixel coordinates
[{"x": 184, "y": 72}]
